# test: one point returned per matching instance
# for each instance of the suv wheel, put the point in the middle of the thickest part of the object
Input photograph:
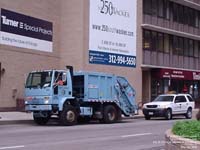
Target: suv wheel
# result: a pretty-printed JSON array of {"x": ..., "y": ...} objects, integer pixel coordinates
[
  {"x": 188, "y": 115},
  {"x": 168, "y": 114}
]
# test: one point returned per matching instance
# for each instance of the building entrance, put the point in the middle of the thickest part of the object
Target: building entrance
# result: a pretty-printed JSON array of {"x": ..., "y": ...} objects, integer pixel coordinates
[{"x": 175, "y": 81}]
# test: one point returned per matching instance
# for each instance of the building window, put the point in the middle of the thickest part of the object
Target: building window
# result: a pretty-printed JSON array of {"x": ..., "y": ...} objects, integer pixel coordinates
[
  {"x": 191, "y": 48},
  {"x": 199, "y": 19},
  {"x": 147, "y": 6},
  {"x": 166, "y": 9},
  {"x": 166, "y": 43},
  {"x": 160, "y": 42},
  {"x": 154, "y": 41},
  {"x": 146, "y": 40},
  {"x": 196, "y": 48},
  {"x": 171, "y": 10},
  {"x": 160, "y": 8},
  {"x": 181, "y": 14},
  {"x": 180, "y": 46},
  {"x": 191, "y": 18},
  {"x": 186, "y": 47},
  {"x": 175, "y": 12},
  {"x": 185, "y": 13},
  {"x": 154, "y": 7},
  {"x": 196, "y": 19},
  {"x": 175, "y": 45}
]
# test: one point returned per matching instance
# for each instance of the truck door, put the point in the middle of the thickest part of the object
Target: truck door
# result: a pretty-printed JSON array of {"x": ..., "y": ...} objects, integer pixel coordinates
[{"x": 60, "y": 85}]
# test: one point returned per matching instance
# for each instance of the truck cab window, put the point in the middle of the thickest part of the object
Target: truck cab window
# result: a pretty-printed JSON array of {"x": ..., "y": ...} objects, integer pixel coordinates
[{"x": 60, "y": 78}]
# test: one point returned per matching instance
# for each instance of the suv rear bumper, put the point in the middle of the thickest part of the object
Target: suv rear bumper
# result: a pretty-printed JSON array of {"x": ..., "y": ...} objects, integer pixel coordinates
[{"x": 154, "y": 112}]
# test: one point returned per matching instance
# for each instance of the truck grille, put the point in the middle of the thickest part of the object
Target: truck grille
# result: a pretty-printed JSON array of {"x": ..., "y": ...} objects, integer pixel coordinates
[{"x": 151, "y": 106}]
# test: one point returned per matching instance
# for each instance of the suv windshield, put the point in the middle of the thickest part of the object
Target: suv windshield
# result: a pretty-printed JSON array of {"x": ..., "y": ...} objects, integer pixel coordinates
[
  {"x": 164, "y": 99},
  {"x": 39, "y": 79}
]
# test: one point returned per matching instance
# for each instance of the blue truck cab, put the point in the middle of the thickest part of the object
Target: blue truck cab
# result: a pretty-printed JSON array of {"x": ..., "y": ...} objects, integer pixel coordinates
[{"x": 80, "y": 96}]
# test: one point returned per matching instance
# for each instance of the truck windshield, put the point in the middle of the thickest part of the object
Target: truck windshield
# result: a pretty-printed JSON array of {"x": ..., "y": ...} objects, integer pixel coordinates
[
  {"x": 164, "y": 99},
  {"x": 39, "y": 79}
]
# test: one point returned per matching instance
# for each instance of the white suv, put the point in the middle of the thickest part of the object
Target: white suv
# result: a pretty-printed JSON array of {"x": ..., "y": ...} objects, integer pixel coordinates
[{"x": 168, "y": 105}]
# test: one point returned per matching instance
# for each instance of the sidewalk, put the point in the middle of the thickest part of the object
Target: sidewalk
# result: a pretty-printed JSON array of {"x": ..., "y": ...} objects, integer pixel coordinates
[{"x": 15, "y": 117}]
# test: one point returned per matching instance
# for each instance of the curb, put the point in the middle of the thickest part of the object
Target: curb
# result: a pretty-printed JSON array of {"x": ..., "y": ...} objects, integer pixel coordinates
[
  {"x": 10, "y": 122},
  {"x": 138, "y": 116},
  {"x": 176, "y": 142},
  {"x": 133, "y": 117}
]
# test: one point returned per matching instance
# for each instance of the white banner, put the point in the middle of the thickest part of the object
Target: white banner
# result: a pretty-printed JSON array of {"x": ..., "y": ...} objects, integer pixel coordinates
[
  {"x": 25, "y": 42},
  {"x": 112, "y": 32},
  {"x": 25, "y": 31}
]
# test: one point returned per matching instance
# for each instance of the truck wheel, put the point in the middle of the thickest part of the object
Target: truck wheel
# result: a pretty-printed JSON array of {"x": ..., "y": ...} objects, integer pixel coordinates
[
  {"x": 109, "y": 114},
  {"x": 188, "y": 115},
  {"x": 41, "y": 120},
  {"x": 68, "y": 116},
  {"x": 119, "y": 115},
  {"x": 168, "y": 114},
  {"x": 147, "y": 117}
]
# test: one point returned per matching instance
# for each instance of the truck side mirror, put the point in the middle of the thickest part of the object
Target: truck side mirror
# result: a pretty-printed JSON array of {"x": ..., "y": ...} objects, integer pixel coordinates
[{"x": 64, "y": 78}]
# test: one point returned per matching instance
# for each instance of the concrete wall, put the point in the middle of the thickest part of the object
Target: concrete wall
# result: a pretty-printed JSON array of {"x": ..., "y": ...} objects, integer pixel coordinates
[
  {"x": 71, "y": 33},
  {"x": 70, "y": 46},
  {"x": 19, "y": 61}
]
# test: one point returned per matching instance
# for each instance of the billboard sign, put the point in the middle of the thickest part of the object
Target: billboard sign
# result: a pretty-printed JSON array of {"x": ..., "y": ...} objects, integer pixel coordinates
[
  {"x": 112, "y": 32},
  {"x": 25, "y": 31}
]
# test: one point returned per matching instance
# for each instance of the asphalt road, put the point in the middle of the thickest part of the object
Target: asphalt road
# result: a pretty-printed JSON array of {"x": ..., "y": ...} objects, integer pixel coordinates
[{"x": 130, "y": 134}]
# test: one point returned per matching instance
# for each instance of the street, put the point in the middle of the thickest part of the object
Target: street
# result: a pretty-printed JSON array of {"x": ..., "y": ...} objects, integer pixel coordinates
[{"x": 130, "y": 134}]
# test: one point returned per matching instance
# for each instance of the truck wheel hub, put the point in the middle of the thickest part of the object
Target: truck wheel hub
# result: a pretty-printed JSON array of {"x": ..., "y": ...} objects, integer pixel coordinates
[
  {"x": 111, "y": 116},
  {"x": 70, "y": 116}
]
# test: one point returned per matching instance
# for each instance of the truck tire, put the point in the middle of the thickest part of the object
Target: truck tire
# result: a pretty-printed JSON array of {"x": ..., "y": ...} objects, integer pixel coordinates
[
  {"x": 188, "y": 115},
  {"x": 119, "y": 115},
  {"x": 109, "y": 114},
  {"x": 68, "y": 116},
  {"x": 168, "y": 114},
  {"x": 41, "y": 120}
]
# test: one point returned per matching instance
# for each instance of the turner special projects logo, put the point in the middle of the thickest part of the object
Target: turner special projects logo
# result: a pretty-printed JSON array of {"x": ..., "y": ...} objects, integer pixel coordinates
[{"x": 25, "y": 31}]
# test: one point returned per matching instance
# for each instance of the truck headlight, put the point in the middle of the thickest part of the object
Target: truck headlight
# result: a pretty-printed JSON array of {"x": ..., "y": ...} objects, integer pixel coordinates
[{"x": 46, "y": 99}]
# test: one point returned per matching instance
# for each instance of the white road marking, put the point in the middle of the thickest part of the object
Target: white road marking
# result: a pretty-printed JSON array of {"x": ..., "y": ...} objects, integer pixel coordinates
[
  {"x": 133, "y": 135},
  {"x": 12, "y": 147}
]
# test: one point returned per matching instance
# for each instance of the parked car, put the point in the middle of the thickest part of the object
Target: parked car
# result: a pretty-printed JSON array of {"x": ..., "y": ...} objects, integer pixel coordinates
[{"x": 168, "y": 105}]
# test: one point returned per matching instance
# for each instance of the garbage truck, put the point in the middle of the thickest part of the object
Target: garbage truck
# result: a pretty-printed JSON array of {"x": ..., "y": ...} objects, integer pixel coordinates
[{"x": 82, "y": 96}]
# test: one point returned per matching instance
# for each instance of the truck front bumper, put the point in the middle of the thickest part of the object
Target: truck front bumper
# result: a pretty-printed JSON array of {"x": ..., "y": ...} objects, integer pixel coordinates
[
  {"x": 154, "y": 112},
  {"x": 38, "y": 107}
]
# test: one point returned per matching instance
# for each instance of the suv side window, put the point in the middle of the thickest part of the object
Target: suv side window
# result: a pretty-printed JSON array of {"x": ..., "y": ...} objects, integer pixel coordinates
[
  {"x": 180, "y": 99},
  {"x": 190, "y": 98}
]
